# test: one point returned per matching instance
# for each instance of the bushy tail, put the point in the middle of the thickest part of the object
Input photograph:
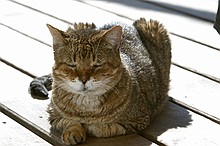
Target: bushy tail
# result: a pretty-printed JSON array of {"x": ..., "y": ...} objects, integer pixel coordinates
[{"x": 157, "y": 42}]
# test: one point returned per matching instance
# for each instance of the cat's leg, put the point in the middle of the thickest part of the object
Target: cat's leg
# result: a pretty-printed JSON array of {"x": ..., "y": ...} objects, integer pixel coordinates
[
  {"x": 74, "y": 134},
  {"x": 70, "y": 131},
  {"x": 40, "y": 86},
  {"x": 106, "y": 130}
]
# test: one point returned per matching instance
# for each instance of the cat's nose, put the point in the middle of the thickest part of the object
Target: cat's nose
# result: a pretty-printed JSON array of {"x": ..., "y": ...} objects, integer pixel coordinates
[
  {"x": 84, "y": 82},
  {"x": 84, "y": 79}
]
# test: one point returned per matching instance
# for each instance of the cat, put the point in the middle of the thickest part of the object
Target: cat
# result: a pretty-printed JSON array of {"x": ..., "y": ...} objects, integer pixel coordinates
[{"x": 106, "y": 81}]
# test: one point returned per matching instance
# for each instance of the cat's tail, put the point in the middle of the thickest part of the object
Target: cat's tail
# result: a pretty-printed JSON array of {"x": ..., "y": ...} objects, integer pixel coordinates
[{"x": 156, "y": 40}]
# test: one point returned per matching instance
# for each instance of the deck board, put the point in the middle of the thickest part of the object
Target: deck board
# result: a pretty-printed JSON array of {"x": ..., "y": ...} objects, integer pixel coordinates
[
  {"x": 12, "y": 134},
  {"x": 26, "y": 53},
  {"x": 178, "y": 126},
  {"x": 184, "y": 52},
  {"x": 195, "y": 90},
  {"x": 195, "y": 8},
  {"x": 15, "y": 96}
]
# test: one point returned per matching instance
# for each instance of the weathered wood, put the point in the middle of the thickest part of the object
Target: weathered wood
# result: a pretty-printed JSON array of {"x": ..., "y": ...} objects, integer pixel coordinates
[
  {"x": 195, "y": 91},
  {"x": 194, "y": 110},
  {"x": 127, "y": 140},
  {"x": 210, "y": 77},
  {"x": 17, "y": 68},
  {"x": 196, "y": 9},
  {"x": 30, "y": 126},
  {"x": 13, "y": 134},
  {"x": 14, "y": 94},
  {"x": 178, "y": 126},
  {"x": 193, "y": 55},
  {"x": 26, "y": 53}
]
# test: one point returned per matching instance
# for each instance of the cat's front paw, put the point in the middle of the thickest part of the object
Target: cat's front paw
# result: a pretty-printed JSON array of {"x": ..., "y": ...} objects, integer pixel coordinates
[{"x": 74, "y": 135}]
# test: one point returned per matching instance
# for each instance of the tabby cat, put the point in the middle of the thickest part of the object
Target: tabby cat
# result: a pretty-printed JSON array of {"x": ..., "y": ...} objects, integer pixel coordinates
[{"x": 107, "y": 81}]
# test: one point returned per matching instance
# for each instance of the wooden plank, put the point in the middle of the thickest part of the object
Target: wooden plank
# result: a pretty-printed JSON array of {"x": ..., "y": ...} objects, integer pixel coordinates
[
  {"x": 178, "y": 126},
  {"x": 18, "y": 17},
  {"x": 30, "y": 126},
  {"x": 15, "y": 96},
  {"x": 195, "y": 56},
  {"x": 26, "y": 53},
  {"x": 127, "y": 140},
  {"x": 195, "y": 90},
  {"x": 14, "y": 134},
  {"x": 196, "y": 8}
]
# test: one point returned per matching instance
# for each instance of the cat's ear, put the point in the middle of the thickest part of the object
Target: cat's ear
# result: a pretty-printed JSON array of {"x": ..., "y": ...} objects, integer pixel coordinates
[
  {"x": 113, "y": 35},
  {"x": 58, "y": 35}
]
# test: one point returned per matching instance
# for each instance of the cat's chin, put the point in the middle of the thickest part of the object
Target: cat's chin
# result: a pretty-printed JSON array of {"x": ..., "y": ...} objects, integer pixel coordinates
[{"x": 89, "y": 93}]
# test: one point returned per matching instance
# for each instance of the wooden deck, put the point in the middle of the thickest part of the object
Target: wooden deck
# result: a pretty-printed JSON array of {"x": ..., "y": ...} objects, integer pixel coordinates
[{"x": 192, "y": 116}]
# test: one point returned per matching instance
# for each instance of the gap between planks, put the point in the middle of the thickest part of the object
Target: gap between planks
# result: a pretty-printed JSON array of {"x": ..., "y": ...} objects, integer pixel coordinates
[
  {"x": 30, "y": 126},
  {"x": 178, "y": 11}
]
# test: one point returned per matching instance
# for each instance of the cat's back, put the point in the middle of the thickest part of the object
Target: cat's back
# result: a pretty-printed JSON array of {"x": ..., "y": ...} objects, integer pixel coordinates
[{"x": 147, "y": 62}]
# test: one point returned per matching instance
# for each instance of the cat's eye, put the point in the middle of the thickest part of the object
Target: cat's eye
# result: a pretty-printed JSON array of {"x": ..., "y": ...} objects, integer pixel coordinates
[
  {"x": 95, "y": 66},
  {"x": 71, "y": 66}
]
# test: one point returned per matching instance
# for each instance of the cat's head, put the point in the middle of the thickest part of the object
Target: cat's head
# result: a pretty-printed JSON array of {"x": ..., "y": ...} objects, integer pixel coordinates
[{"x": 87, "y": 61}]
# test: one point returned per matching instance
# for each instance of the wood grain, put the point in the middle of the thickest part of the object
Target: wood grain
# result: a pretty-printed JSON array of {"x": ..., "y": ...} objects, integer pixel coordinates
[{"x": 13, "y": 134}]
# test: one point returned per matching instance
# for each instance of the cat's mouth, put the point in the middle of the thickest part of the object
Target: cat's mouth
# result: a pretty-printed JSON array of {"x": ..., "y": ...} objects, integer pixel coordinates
[{"x": 85, "y": 89}]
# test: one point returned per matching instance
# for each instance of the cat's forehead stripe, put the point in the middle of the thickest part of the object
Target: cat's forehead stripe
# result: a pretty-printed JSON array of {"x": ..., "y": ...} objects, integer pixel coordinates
[
  {"x": 83, "y": 43},
  {"x": 83, "y": 51}
]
